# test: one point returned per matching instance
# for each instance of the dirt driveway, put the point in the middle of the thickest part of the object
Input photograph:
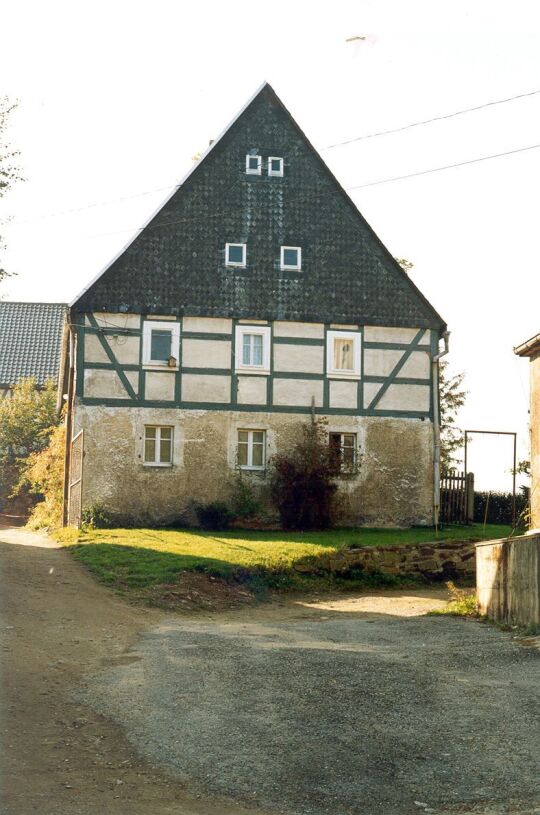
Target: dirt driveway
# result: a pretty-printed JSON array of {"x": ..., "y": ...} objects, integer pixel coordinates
[{"x": 356, "y": 705}]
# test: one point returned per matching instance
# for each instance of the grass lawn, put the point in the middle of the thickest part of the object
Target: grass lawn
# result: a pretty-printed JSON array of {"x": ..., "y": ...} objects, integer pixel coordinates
[{"x": 131, "y": 559}]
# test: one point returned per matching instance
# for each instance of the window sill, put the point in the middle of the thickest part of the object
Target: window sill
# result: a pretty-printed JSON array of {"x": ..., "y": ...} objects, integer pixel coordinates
[
  {"x": 248, "y": 370},
  {"x": 342, "y": 375},
  {"x": 152, "y": 465},
  {"x": 154, "y": 366},
  {"x": 245, "y": 468}
]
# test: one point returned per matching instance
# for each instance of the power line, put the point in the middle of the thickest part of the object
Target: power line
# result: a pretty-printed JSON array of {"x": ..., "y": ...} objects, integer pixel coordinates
[
  {"x": 95, "y": 204},
  {"x": 430, "y": 121}
]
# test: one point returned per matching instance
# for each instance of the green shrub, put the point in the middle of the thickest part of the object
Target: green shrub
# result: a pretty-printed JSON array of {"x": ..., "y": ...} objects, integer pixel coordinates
[
  {"x": 302, "y": 482},
  {"x": 245, "y": 503},
  {"x": 213, "y": 516},
  {"x": 96, "y": 516}
]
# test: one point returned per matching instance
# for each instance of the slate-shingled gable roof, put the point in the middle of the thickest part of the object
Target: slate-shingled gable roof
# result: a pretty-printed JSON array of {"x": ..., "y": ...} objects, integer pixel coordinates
[
  {"x": 30, "y": 341},
  {"x": 175, "y": 265}
]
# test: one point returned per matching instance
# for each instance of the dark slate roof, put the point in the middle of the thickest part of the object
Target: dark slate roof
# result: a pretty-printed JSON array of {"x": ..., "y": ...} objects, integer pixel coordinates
[
  {"x": 30, "y": 341},
  {"x": 175, "y": 264}
]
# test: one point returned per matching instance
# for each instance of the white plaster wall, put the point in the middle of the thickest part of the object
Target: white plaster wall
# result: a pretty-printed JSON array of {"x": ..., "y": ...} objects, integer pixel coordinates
[
  {"x": 298, "y": 392},
  {"x": 100, "y": 384},
  {"x": 159, "y": 386},
  {"x": 405, "y": 397},
  {"x": 375, "y": 333},
  {"x": 382, "y": 361},
  {"x": 125, "y": 348},
  {"x": 205, "y": 388},
  {"x": 343, "y": 394},
  {"x": 112, "y": 320},
  {"x": 216, "y": 325},
  {"x": 206, "y": 354},
  {"x": 308, "y": 330},
  {"x": 93, "y": 350},
  {"x": 252, "y": 390},
  {"x": 307, "y": 359}
]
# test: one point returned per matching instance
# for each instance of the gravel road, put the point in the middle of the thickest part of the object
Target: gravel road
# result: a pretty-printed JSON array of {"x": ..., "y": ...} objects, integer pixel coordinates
[{"x": 353, "y": 706}]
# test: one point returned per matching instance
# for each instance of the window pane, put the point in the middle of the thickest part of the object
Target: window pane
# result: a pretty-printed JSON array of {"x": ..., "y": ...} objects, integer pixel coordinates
[
  {"x": 258, "y": 437},
  {"x": 343, "y": 354},
  {"x": 246, "y": 349},
  {"x": 236, "y": 254},
  {"x": 243, "y": 436},
  {"x": 349, "y": 451},
  {"x": 149, "y": 449},
  {"x": 161, "y": 344},
  {"x": 166, "y": 433},
  {"x": 275, "y": 165},
  {"x": 165, "y": 450},
  {"x": 150, "y": 432},
  {"x": 242, "y": 452},
  {"x": 257, "y": 349},
  {"x": 253, "y": 162},
  {"x": 290, "y": 257},
  {"x": 258, "y": 455}
]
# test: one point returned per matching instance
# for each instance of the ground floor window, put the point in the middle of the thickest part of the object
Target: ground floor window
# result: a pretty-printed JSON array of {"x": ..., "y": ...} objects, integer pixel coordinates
[
  {"x": 343, "y": 449},
  {"x": 158, "y": 445},
  {"x": 251, "y": 451}
]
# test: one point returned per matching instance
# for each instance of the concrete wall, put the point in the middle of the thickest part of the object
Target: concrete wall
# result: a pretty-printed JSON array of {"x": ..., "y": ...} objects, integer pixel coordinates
[
  {"x": 394, "y": 485},
  {"x": 508, "y": 579}
]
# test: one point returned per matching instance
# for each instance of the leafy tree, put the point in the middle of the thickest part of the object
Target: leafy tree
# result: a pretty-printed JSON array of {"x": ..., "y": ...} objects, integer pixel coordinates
[
  {"x": 27, "y": 419},
  {"x": 452, "y": 398},
  {"x": 302, "y": 483},
  {"x": 43, "y": 474},
  {"x": 9, "y": 172}
]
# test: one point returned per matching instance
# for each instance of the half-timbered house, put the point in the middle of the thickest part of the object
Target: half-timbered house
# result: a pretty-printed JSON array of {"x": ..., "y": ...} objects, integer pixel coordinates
[{"x": 255, "y": 296}]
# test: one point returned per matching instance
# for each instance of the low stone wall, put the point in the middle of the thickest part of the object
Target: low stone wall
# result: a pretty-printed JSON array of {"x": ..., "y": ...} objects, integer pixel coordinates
[
  {"x": 445, "y": 560},
  {"x": 508, "y": 579}
]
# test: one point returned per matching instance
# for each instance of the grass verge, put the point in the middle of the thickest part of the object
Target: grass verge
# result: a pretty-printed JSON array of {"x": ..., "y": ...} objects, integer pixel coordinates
[{"x": 139, "y": 561}]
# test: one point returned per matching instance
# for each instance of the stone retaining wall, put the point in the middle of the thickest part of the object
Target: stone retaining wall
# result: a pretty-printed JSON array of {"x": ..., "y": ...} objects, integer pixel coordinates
[{"x": 445, "y": 560}]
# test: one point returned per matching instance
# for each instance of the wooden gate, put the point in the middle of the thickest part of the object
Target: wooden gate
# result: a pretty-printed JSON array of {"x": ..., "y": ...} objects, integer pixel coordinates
[
  {"x": 457, "y": 498},
  {"x": 75, "y": 480}
]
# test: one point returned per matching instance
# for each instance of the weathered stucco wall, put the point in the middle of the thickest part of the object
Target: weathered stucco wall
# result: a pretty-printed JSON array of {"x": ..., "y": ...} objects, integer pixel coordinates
[
  {"x": 508, "y": 579},
  {"x": 394, "y": 485}
]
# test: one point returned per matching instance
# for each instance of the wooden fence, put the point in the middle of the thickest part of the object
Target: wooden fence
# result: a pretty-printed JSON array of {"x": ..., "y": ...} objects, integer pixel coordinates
[{"x": 457, "y": 498}]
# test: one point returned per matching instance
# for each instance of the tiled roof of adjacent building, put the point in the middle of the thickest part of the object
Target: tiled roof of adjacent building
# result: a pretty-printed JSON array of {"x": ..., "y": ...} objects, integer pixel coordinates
[
  {"x": 30, "y": 341},
  {"x": 176, "y": 263}
]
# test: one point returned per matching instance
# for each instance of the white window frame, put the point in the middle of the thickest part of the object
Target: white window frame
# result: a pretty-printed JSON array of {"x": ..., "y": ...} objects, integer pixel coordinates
[
  {"x": 275, "y": 173},
  {"x": 240, "y": 264},
  {"x": 250, "y": 431},
  {"x": 341, "y": 434},
  {"x": 341, "y": 373},
  {"x": 165, "y": 325},
  {"x": 265, "y": 332},
  {"x": 288, "y": 267},
  {"x": 250, "y": 170},
  {"x": 159, "y": 428}
]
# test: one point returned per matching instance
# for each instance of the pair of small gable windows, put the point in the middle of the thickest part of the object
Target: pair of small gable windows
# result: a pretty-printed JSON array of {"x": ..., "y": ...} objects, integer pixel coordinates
[
  {"x": 290, "y": 258},
  {"x": 161, "y": 344},
  {"x": 274, "y": 165}
]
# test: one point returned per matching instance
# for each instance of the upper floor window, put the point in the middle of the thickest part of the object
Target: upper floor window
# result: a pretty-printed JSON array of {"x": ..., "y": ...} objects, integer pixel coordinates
[
  {"x": 343, "y": 354},
  {"x": 275, "y": 166},
  {"x": 343, "y": 451},
  {"x": 291, "y": 258},
  {"x": 253, "y": 164},
  {"x": 235, "y": 254},
  {"x": 158, "y": 445},
  {"x": 251, "y": 450},
  {"x": 252, "y": 349},
  {"x": 161, "y": 343}
]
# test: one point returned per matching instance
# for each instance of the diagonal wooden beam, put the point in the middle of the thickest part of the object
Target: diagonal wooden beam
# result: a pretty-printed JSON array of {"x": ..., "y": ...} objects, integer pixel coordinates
[
  {"x": 397, "y": 368},
  {"x": 108, "y": 350}
]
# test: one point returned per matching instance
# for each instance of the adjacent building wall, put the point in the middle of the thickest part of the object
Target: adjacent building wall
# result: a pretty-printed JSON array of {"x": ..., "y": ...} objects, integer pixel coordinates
[
  {"x": 535, "y": 441},
  {"x": 508, "y": 580}
]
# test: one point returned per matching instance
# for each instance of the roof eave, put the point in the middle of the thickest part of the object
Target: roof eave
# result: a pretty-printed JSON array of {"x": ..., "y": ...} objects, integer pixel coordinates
[{"x": 529, "y": 347}]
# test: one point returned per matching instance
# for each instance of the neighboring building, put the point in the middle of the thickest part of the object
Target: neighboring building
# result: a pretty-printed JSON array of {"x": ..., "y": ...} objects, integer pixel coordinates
[
  {"x": 531, "y": 349},
  {"x": 254, "y": 297},
  {"x": 30, "y": 342}
]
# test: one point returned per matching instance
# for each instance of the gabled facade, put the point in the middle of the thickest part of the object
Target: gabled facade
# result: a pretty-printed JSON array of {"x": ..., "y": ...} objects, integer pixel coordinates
[
  {"x": 30, "y": 342},
  {"x": 256, "y": 296},
  {"x": 531, "y": 349}
]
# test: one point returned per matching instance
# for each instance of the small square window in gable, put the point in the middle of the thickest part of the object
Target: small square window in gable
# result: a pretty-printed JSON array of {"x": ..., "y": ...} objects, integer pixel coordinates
[
  {"x": 275, "y": 166},
  {"x": 291, "y": 258},
  {"x": 235, "y": 254},
  {"x": 253, "y": 164}
]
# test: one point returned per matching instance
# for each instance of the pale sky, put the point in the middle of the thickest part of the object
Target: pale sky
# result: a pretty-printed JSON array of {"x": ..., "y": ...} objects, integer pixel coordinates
[{"x": 116, "y": 98}]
